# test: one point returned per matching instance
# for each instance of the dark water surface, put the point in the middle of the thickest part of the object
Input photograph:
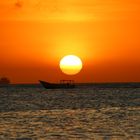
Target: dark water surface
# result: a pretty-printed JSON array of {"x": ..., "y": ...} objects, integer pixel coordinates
[{"x": 32, "y": 112}]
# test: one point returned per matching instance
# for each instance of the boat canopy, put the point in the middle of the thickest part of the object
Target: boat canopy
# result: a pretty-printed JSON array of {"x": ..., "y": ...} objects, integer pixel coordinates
[{"x": 67, "y": 81}]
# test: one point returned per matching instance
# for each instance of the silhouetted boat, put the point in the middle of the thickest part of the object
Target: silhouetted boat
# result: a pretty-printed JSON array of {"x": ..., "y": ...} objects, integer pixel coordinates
[
  {"x": 63, "y": 84},
  {"x": 4, "y": 81}
]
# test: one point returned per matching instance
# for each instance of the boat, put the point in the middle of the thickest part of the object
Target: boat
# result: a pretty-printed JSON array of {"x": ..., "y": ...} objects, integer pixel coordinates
[
  {"x": 66, "y": 84},
  {"x": 4, "y": 81}
]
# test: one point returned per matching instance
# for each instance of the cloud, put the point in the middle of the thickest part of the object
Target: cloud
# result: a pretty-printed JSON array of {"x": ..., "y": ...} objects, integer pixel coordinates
[{"x": 18, "y": 3}]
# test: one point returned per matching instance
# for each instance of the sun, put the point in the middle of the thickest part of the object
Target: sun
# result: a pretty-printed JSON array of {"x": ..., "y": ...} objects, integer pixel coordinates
[{"x": 71, "y": 64}]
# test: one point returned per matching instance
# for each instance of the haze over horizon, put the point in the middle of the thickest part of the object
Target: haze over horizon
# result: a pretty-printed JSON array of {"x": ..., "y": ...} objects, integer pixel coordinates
[{"x": 36, "y": 34}]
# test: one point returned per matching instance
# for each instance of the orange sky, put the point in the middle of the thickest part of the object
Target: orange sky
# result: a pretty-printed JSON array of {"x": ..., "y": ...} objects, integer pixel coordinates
[{"x": 36, "y": 34}]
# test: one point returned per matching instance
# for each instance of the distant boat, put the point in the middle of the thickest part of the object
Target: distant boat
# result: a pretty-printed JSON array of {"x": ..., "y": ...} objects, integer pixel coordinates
[
  {"x": 63, "y": 84},
  {"x": 4, "y": 81}
]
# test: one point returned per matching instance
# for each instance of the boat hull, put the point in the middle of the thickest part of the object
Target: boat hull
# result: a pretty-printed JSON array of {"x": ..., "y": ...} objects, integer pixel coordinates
[{"x": 48, "y": 85}]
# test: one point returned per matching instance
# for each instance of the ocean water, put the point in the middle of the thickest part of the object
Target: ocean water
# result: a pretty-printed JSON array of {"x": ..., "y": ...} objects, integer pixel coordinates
[{"x": 30, "y": 112}]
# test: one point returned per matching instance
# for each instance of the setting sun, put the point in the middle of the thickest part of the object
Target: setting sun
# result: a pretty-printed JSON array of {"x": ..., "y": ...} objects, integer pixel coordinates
[
  {"x": 36, "y": 34},
  {"x": 70, "y": 64}
]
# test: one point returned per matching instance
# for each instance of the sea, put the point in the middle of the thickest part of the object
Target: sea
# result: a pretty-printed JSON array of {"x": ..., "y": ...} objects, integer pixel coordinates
[{"x": 87, "y": 112}]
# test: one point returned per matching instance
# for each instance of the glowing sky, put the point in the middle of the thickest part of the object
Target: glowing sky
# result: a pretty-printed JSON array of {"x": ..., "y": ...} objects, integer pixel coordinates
[
  {"x": 71, "y": 10},
  {"x": 36, "y": 34}
]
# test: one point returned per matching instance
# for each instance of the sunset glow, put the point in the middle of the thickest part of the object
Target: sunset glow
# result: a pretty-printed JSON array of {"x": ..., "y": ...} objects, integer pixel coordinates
[{"x": 36, "y": 34}]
